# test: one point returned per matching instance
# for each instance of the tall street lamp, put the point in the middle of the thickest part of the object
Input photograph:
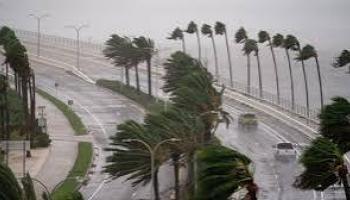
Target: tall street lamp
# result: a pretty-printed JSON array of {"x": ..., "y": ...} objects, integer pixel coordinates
[
  {"x": 152, "y": 152},
  {"x": 38, "y": 19},
  {"x": 77, "y": 30}
]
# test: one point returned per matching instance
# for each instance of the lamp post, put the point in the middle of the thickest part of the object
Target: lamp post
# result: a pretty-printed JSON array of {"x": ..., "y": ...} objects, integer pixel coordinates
[
  {"x": 77, "y": 30},
  {"x": 38, "y": 19},
  {"x": 152, "y": 152}
]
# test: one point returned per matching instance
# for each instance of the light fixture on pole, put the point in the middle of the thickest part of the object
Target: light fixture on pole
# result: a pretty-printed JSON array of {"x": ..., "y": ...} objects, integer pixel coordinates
[
  {"x": 77, "y": 30},
  {"x": 152, "y": 152},
  {"x": 38, "y": 19}
]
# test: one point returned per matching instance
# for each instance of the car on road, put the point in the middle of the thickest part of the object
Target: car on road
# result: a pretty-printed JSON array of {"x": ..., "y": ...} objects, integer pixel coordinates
[
  {"x": 285, "y": 149},
  {"x": 247, "y": 120}
]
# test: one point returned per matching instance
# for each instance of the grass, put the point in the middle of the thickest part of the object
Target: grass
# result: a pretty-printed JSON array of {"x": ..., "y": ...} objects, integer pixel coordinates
[
  {"x": 148, "y": 102},
  {"x": 73, "y": 118},
  {"x": 81, "y": 165}
]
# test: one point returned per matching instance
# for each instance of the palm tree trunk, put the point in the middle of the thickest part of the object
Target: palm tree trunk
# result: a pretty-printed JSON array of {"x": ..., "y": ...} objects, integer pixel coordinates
[
  {"x": 199, "y": 46},
  {"x": 229, "y": 59},
  {"x": 175, "y": 158},
  {"x": 127, "y": 77},
  {"x": 217, "y": 73},
  {"x": 149, "y": 70},
  {"x": 137, "y": 78},
  {"x": 260, "y": 76},
  {"x": 32, "y": 100},
  {"x": 319, "y": 80},
  {"x": 343, "y": 172},
  {"x": 183, "y": 45},
  {"x": 156, "y": 185},
  {"x": 248, "y": 73},
  {"x": 276, "y": 73},
  {"x": 306, "y": 88},
  {"x": 16, "y": 82},
  {"x": 291, "y": 80}
]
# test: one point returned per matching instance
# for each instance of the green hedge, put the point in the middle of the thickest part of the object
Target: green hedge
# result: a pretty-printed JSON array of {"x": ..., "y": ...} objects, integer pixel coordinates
[
  {"x": 73, "y": 118},
  {"x": 80, "y": 168},
  {"x": 148, "y": 102}
]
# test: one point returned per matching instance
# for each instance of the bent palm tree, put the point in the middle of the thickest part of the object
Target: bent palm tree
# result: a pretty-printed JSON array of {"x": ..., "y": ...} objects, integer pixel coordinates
[
  {"x": 254, "y": 45},
  {"x": 334, "y": 123},
  {"x": 265, "y": 37},
  {"x": 241, "y": 37},
  {"x": 146, "y": 45},
  {"x": 324, "y": 166},
  {"x": 191, "y": 29},
  {"x": 306, "y": 53},
  {"x": 220, "y": 29},
  {"x": 342, "y": 60},
  {"x": 177, "y": 34},
  {"x": 222, "y": 172},
  {"x": 206, "y": 30},
  {"x": 289, "y": 43}
]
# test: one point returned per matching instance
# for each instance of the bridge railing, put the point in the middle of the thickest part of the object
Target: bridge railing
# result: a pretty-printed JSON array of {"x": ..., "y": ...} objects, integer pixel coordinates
[{"x": 242, "y": 88}]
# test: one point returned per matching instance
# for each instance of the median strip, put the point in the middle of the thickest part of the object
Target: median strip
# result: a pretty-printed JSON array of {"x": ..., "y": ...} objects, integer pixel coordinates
[
  {"x": 74, "y": 120},
  {"x": 76, "y": 176}
]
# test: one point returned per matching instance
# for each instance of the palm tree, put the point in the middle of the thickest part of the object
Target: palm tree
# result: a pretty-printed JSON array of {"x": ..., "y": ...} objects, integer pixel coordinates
[
  {"x": 191, "y": 29},
  {"x": 241, "y": 37},
  {"x": 324, "y": 166},
  {"x": 206, "y": 30},
  {"x": 265, "y": 37},
  {"x": 223, "y": 171},
  {"x": 146, "y": 46},
  {"x": 133, "y": 158},
  {"x": 306, "y": 53},
  {"x": 10, "y": 187},
  {"x": 289, "y": 43},
  {"x": 253, "y": 44},
  {"x": 342, "y": 60},
  {"x": 335, "y": 124},
  {"x": 220, "y": 29},
  {"x": 177, "y": 34},
  {"x": 123, "y": 53},
  {"x": 298, "y": 48}
]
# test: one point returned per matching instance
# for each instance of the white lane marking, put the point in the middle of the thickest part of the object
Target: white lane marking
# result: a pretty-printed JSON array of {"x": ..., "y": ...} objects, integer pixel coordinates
[{"x": 97, "y": 190}]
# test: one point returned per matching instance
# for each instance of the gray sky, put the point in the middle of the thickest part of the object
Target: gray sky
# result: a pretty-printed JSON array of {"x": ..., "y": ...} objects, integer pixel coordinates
[
  {"x": 325, "y": 22},
  {"x": 322, "y": 23}
]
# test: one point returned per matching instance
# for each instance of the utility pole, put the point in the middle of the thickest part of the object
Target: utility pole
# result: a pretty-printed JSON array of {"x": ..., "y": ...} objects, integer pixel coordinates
[
  {"x": 77, "y": 30},
  {"x": 38, "y": 19}
]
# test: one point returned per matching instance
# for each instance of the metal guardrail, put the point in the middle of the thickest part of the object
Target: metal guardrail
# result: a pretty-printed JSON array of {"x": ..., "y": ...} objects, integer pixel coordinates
[{"x": 242, "y": 88}]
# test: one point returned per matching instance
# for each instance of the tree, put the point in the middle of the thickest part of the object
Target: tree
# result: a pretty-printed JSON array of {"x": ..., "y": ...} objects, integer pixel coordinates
[
  {"x": 220, "y": 29},
  {"x": 342, "y": 60},
  {"x": 324, "y": 166},
  {"x": 193, "y": 29},
  {"x": 289, "y": 43},
  {"x": 146, "y": 46},
  {"x": 265, "y": 37},
  {"x": 241, "y": 37},
  {"x": 223, "y": 171},
  {"x": 306, "y": 53},
  {"x": 133, "y": 158},
  {"x": 298, "y": 49},
  {"x": 253, "y": 45},
  {"x": 335, "y": 124},
  {"x": 206, "y": 30},
  {"x": 177, "y": 34},
  {"x": 123, "y": 53},
  {"x": 10, "y": 187}
]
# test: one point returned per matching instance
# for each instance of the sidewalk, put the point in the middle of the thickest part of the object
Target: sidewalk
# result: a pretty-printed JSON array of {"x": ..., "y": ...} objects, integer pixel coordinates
[{"x": 61, "y": 154}]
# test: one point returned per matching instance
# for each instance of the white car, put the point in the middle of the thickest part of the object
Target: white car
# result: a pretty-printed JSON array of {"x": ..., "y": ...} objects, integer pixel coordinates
[{"x": 285, "y": 149}]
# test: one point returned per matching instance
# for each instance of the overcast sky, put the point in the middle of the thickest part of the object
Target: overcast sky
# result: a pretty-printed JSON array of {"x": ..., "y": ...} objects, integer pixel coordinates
[{"x": 324, "y": 22}]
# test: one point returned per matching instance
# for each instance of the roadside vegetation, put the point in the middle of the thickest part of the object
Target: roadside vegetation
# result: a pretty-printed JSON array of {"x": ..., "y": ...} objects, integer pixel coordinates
[
  {"x": 145, "y": 100},
  {"x": 77, "y": 174},
  {"x": 72, "y": 117},
  {"x": 178, "y": 133}
]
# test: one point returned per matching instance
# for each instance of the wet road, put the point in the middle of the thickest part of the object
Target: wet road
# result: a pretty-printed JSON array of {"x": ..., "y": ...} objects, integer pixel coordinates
[{"x": 101, "y": 110}]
